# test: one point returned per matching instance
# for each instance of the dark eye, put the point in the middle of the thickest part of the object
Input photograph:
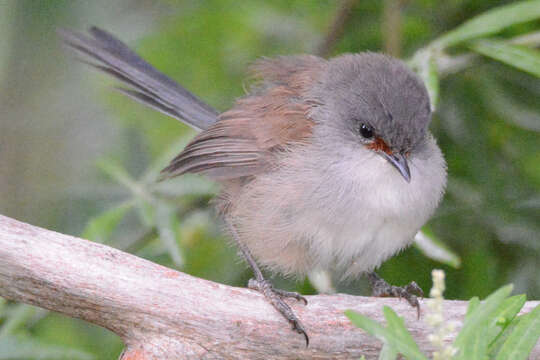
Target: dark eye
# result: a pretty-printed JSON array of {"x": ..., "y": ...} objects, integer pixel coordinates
[{"x": 366, "y": 131}]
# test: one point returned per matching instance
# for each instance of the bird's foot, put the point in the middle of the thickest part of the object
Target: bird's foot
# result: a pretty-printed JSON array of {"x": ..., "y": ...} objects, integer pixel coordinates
[
  {"x": 276, "y": 296},
  {"x": 410, "y": 292}
]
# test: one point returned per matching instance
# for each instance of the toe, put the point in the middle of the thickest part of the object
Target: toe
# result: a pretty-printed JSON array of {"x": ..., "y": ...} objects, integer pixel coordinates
[
  {"x": 413, "y": 301},
  {"x": 299, "y": 297},
  {"x": 415, "y": 289},
  {"x": 297, "y": 326}
]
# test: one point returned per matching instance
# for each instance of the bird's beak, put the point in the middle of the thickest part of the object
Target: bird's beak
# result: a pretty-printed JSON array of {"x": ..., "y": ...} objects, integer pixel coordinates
[{"x": 400, "y": 162}]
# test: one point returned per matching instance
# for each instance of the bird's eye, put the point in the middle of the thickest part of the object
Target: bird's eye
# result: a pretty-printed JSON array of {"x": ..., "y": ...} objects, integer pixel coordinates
[{"x": 366, "y": 131}]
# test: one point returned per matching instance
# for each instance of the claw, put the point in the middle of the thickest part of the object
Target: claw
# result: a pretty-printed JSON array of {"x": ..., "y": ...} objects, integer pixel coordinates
[
  {"x": 413, "y": 287},
  {"x": 297, "y": 326},
  {"x": 409, "y": 292},
  {"x": 275, "y": 297},
  {"x": 291, "y": 294},
  {"x": 299, "y": 329}
]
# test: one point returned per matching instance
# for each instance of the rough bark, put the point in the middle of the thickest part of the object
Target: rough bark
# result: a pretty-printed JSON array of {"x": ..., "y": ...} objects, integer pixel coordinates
[{"x": 164, "y": 314}]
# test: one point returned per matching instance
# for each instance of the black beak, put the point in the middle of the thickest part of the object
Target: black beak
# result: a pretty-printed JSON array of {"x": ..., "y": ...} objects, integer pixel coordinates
[{"x": 400, "y": 162}]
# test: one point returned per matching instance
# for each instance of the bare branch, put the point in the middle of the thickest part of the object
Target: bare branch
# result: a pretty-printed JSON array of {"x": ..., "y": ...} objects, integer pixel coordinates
[{"x": 164, "y": 314}]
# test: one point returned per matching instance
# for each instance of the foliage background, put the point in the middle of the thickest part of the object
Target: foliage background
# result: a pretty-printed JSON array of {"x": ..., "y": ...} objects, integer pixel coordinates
[{"x": 72, "y": 149}]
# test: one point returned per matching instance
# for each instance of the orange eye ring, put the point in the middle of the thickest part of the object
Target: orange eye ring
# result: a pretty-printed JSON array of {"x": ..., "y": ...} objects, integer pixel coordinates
[{"x": 379, "y": 145}]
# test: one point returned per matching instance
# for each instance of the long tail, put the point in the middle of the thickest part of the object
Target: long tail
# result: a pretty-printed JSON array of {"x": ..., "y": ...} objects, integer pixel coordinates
[{"x": 146, "y": 85}]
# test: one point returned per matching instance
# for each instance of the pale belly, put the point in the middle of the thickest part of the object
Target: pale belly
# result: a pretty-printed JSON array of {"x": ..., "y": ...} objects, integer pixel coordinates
[
  {"x": 355, "y": 244},
  {"x": 347, "y": 217}
]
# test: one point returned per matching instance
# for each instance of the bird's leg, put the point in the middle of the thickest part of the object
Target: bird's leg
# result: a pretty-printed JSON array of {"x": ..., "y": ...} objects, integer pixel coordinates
[
  {"x": 410, "y": 292},
  {"x": 273, "y": 295}
]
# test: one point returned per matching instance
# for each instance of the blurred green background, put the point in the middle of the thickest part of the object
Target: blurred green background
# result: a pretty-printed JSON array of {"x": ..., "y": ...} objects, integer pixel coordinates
[{"x": 78, "y": 158}]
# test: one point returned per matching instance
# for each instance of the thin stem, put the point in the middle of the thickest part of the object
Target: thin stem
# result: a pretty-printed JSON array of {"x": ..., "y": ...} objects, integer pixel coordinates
[
  {"x": 391, "y": 26},
  {"x": 337, "y": 28}
]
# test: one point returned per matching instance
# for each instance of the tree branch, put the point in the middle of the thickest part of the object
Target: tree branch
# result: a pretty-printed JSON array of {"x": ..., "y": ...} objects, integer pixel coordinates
[
  {"x": 392, "y": 26},
  {"x": 164, "y": 314},
  {"x": 337, "y": 27}
]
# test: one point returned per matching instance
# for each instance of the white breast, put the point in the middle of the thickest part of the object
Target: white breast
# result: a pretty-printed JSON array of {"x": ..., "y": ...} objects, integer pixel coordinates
[
  {"x": 377, "y": 212},
  {"x": 348, "y": 215}
]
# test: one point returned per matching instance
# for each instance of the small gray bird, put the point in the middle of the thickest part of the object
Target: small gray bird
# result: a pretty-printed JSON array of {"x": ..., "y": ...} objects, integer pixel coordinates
[{"x": 324, "y": 165}]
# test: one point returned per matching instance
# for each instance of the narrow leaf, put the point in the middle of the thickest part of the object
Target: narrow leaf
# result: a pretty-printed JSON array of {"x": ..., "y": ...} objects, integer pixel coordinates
[
  {"x": 167, "y": 226},
  {"x": 174, "y": 149},
  {"x": 434, "y": 249},
  {"x": 473, "y": 304},
  {"x": 432, "y": 83},
  {"x": 3, "y": 303},
  {"x": 18, "y": 315},
  {"x": 491, "y": 22},
  {"x": 520, "y": 57},
  {"x": 146, "y": 211},
  {"x": 525, "y": 335},
  {"x": 405, "y": 344},
  {"x": 13, "y": 348},
  {"x": 388, "y": 353},
  {"x": 398, "y": 340},
  {"x": 370, "y": 326},
  {"x": 425, "y": 65},
  {"x": 471, "y": 341},
  {"x": 496, "y": 345},
  {"x": 504, "y": 315},
  {"x": 513, "y": 112},
  {"x": 189, "y": 184},
  {"x": 100, "y": 227},
  {"x": 116, "y": 172}
]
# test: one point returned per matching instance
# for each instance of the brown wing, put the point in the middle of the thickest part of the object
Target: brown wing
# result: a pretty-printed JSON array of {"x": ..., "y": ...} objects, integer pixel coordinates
[{"x": 242, "y": 141}]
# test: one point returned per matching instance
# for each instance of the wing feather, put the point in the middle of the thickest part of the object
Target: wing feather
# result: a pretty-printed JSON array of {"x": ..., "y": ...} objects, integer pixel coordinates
[{"x": 245, "y": 139}]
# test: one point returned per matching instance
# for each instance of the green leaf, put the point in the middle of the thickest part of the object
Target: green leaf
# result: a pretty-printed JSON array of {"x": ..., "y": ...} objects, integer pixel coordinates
[
  {"x": 496, "y": 345},
  {"x": 473, "y": 304},
  {"x": 3, "y": 303},
  {"x": 143, "y": 198},
  {"x": 432, "y": 82},
  {"x": 188, "y": 184},
  {"x": 472, "y": 341},
  {"x": 388, "y": 352},
  {"x": 406, "y": 344},
  {"x": 167, "y": 226},
  {"x": 17, "y": 316},
  {"x": 520, "y": 57},
  {"x": 522, "y": 339},
  {"x": 434, "y": 248},
  {"x": 100, "y": 227},
  {"x": 396, "y": 335},
  {"x": 370, "y": 326},
  {"x": 174, "y": 149},
  {"x": 116, "y": 172},
  {"x": 516, "y": 113},
  {"x": 23, "y": 348},
  {"x": 425, "y": 65},
  {"x": 146, "y": 211},
  {"x": 504, "y": 315},
  {"x": 490, "y": 22}
]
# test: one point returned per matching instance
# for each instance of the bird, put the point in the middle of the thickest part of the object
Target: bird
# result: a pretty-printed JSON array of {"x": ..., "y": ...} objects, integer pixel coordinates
[{"x": 325, "y": 164}]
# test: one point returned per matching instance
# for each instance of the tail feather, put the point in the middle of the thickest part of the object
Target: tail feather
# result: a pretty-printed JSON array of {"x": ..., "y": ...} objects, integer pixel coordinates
[{"x": 148, "y": 86}]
